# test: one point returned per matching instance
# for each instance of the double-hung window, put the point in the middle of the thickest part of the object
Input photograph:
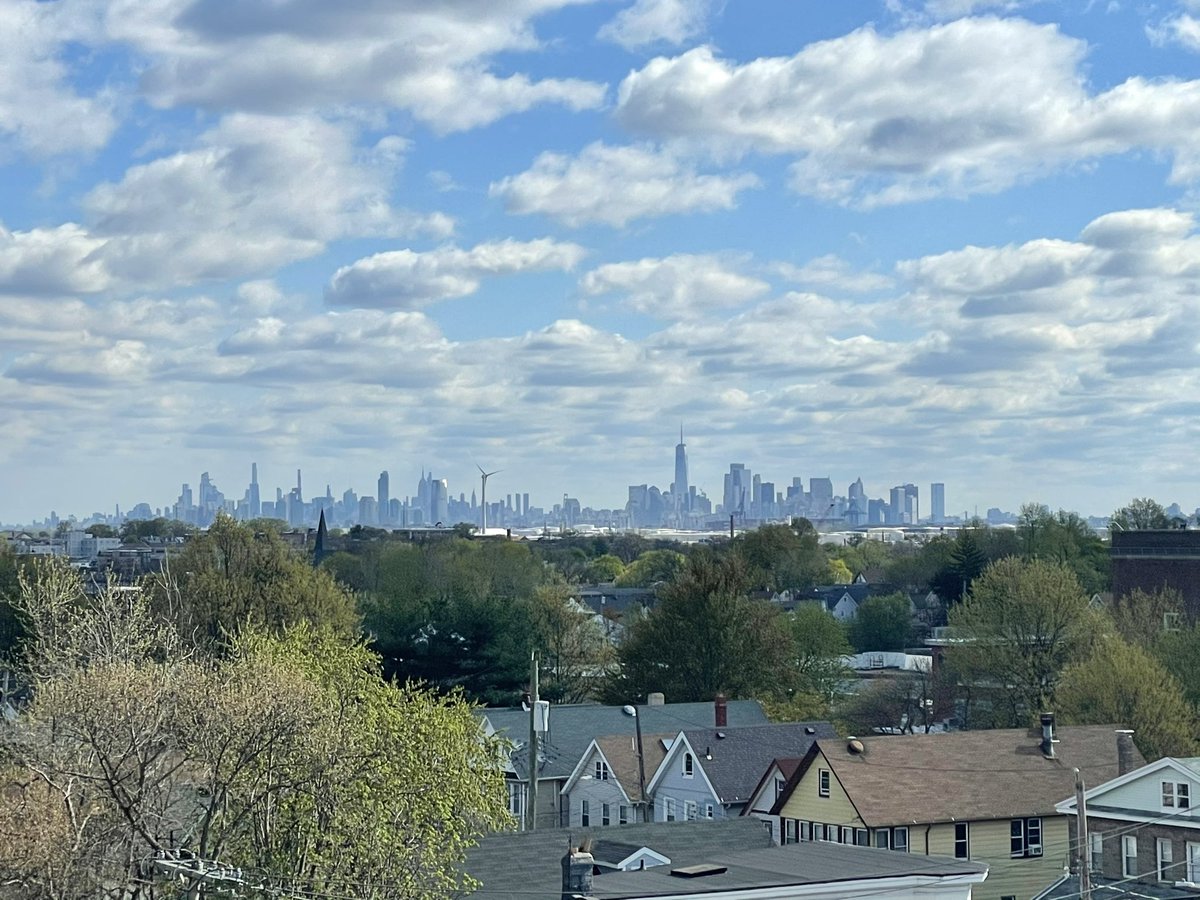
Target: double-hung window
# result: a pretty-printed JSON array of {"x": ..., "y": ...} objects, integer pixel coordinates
[
  {"x": 585, "y": 818},
  {"x": 669, "y": 809},
  {"x": 1096, "y": 851},
  {"x": 892, "y": 838},
  {"x": 601, "y": 770},
  {"x": 962, "y": 840},
  {"x": 622, "y": 814},
  {"x": 689, "y": 810},
  {"x": 1165, "y": 858},
  {"x": 1176, "y": 795},
  {"x": 605, "y": 814},
  {"x": 790, "y": 835},
  {"x": 689, "y": 765},
  {"x": 1025, "y": 838},
  {"x": 823, "y": 782},
  {"x": 1129, "y": 856}
]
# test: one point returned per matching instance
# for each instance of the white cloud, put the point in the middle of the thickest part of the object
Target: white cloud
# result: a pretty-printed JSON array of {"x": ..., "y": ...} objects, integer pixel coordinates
[
  {"x": 256, "y": 192},
  {"x": 653, "y": 21},
  {"x": 973, "y": 105},
  {"x": 432, "y": 59},
  {"x": 674, "y": 287},
  {"x": 51, "y": 261},
  {"x": 1183, "y": 29},
  {"x": 407, "y": 279},
  {"x": 615, "y": 185},
  {"x": 41, "y": 112},
  {"x": 830, "y": 272}
]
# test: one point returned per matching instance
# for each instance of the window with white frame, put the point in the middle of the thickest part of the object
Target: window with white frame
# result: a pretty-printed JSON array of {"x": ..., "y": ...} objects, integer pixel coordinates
[
  {"x": 708, "y": 810},
  {"x": 779, "y": 785},
  {"x": 806, "y": 831},
  {"x": 892, "y": 838},
  {"x": 861, "y": 837},
  {"x": 822, "y": 782},
  {"x": 1025, "y": 838},
  {"x": 790, "y": 832},
  {"x": 516, "y": 799},
  {"x": 1129, "y": 860},
  {"x": 1176, "y": 795},
  {"x": 669, "y": 809},
  {"x": 689, "y": 765},
  {"x": 605, "y": 814},
  {"x": 818, "y": 831},
  {"x": 1164, "y": 858},
  {"x": 1096, "y": 855},
  {"x": 585, "y": 817},
  {"x": 962, "y": 840},
  {"x": 689, "y": 810},
  {"x": 1193, "y": 862},
  {"x": 622, "y": 814},
  {"x": 601, "y": 770}
]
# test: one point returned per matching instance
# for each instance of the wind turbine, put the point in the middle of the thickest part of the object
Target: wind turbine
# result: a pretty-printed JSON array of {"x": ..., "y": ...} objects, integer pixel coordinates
[{"x": 483, "y": 498}]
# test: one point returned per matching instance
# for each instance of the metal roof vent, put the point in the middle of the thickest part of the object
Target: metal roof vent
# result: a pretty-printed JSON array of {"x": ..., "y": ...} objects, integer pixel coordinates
[
  {"x": 808, "y": 729},
  {"x": 854, "y": 745}
]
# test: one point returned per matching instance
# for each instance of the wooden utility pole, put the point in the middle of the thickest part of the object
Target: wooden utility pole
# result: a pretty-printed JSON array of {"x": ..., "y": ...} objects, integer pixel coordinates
[
  {"x": 1081, "y": 837},
  {"x": 531, "y": 793}
]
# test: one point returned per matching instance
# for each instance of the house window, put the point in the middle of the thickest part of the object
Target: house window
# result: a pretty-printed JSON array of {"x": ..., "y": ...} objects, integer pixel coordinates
[
  {"x": 962, "y": 841},
  {"x": 1193, "y": 862},
  {"x": 883, "y": 838},
  {"x": 1165, "y": 856},
  {"x": 516, "y": 798},
  {"x": 823, "y": 782},
  {"x": 892, "y": 838},
  {"x": 818, "y": 831},
  {"x": 790, "y": 831},
  {"x": 1097, "y": 851},
  {"x": 1129, "y": 866},
  {"x": 669, "y": 809},
  {"x": 1025, "y": 837},
  {"x": 605, "y": 818},
  {"x": 806, "y": 831},
  {"x": 585, "y": 818},
  {"x": 779, "y": 784},
  {"x": 708, "y": 810},
  {"x": 601, "y": 773},
  {"x": 1176, "y": 795},
  {"x": 689, "y": 810},
  {"x": 861, "y": 838},
  {"x": 847, "y": 834},
  {"x": 689, "y": 765}
]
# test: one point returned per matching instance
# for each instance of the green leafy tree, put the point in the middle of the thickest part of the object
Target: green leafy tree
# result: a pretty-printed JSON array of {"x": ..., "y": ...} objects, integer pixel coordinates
[
  {"x": 233, "y": 574},
  {"x": 782, "y": 557},
  {"x": 883, "y": 623},
  {"x": 10, "y": 623},
  {"x": 1066, "y": 538},
  {"x": 705, "y": 636},
  {"x": 1145, "y": 617},
  {"x": 1139, "y": 514},
  {"x": 968, "y": 557},
  {"x": 101, "y": 530},
  {"x": 820, "y": 643},
  {"x": 140, "y": 529},
  {"x": 1123, "y": 684},
  {"x": 651, "y": 568},
  {"x": 604, "y": 568},
  {"x": 575, "y": 651},
  {"x": 1021, "y": 625},
  {"x": 1179, "y": 652}
]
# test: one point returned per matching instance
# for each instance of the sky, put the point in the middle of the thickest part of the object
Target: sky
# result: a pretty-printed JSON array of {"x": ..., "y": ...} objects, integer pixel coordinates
[{"x": 907, "y": 240}]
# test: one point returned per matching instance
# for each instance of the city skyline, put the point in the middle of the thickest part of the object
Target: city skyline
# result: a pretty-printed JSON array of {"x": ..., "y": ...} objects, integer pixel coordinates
[{"x": 916, "y": 240}]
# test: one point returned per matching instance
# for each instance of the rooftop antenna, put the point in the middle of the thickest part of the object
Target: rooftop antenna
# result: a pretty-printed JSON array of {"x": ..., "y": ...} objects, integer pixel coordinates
[{"x": 483, "y": 498}]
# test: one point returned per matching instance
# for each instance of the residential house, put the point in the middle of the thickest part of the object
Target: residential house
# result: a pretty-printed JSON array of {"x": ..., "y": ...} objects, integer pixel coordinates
[
  {"x": 1144, "y": 828},
  {"x": 768, "y": 790},
  {"x": 731, "y": 860},
  {"x": 982, "y": 795},
  {"x": 573, "y": 727},
  {"x": 710, "y": 773},
  {"x": 608, "y": 786}
]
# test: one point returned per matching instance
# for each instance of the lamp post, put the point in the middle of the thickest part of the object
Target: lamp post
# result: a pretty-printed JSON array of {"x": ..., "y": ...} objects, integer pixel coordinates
[{"x": 631, "y": 710}]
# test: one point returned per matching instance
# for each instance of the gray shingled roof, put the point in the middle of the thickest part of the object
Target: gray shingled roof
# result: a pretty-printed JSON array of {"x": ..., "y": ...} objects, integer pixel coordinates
[
  {"x": 574, "y": 726},
  {"x": 1114, "y": 889},
  {"x": 734, "y": 759},
  {"x": 527, "y": 864}
]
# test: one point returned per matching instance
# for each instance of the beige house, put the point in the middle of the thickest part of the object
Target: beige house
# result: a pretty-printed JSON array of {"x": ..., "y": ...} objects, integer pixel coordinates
[{"x": 987, "y": 796}]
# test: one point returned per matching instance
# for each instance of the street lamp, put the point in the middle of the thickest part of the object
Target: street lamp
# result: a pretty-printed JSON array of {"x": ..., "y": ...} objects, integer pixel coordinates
[{"x": 631, "y": 710}]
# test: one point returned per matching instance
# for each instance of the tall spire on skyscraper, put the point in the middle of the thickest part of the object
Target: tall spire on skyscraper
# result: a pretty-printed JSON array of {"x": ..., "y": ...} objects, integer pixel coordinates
[{"x": 680, "y": 488}]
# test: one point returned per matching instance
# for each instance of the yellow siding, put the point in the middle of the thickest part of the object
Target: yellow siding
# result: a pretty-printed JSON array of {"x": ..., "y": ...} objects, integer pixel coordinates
[
  {"x": 990, "y": 843},
  {"x": 805, "y": 802}
]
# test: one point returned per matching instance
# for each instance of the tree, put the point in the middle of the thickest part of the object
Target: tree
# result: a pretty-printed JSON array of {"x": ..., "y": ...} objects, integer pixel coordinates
[
  {"x": 10, "y": 624},
  {"x": 966, "y": 561},
  {"x": 891, "y": 706},
  {"x": 1123, "y": 684},
  {"x": 604, "y": 568},
  {"x": 782, "y": 557},
  {"x": 575, "y": 652},
  {"x": 233, "y": 574},
  {"x": 882, "y": 623},
  {"x": 165, "y": 529},
  {"x": 101, "y": 530},
  {"x": 1140, "y": 514},
  {"x": 651, "y": 568},
  {"x": 1143, "y": 618},
  {"x": 289, "y": 756},
  {"x": 820, "y": 643},
  {"x": 705, "y": 636},
  {"x": 1066, "y": 538},
  {"x": 1022, "y": 623}
]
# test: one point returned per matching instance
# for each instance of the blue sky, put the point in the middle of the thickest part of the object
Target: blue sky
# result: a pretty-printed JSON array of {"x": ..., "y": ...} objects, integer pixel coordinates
[{"x": 911, "y": 240}]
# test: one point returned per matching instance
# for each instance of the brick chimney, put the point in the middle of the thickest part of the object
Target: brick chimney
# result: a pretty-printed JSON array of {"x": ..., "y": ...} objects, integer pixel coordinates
[
  {"x": 720, "y": 711},
  {"x": 577, "y": 874},
  {"x": 1127, "y": 754}
]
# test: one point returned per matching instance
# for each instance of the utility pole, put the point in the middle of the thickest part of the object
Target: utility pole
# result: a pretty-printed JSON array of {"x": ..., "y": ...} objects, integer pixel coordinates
[
  {"x": 531, "y": 793},
  {"x": 1081, "y": 836}
]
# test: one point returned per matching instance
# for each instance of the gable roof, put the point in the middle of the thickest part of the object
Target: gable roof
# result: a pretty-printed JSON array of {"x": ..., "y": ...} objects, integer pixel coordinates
[
  {"x": 1000, "y": 774},
  {"x": 619, "y": 751},
  {"x": 573, "y": 727},
  {"x": 787, "y": 768},
  {"x": 1186, "y": 766},
  {"x": 734, "y": 759}
]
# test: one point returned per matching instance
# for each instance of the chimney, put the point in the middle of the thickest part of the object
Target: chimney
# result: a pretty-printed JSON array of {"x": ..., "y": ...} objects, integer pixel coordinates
[
  {"x": 720, "y": 711},
  {"x": 577, "y": 874},
  {"x": 655, "y": 698},
  {"x": 1127, "y": 754},
  {"x": 1048, "y": 738}
]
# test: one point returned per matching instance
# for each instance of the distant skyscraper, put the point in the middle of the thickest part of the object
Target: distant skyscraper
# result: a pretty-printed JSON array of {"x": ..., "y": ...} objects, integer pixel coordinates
[
  {"x": 737, "y": 489},
  {"x": 680, "y": 490},
  {"x": 255, "y": 498},
  {"x": 299, "y": 492},
  {"x": 937, "y": 501},
  {"x": 912, "y": 503},
  {"x": 384, "y": 499}
]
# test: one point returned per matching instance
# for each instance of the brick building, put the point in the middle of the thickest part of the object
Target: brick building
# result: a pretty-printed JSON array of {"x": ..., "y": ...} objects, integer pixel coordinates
[{"x": 1152, "y": 560}]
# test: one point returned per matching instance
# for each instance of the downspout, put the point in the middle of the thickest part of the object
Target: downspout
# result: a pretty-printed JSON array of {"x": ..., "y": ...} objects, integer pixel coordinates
[{"x": 927, "y": 827}]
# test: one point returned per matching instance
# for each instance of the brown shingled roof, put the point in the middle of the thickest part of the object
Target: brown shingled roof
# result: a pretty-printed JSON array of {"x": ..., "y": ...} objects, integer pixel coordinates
[
  {"x": 621, "y": 752},
  {"x": 1000, "y": 774}
]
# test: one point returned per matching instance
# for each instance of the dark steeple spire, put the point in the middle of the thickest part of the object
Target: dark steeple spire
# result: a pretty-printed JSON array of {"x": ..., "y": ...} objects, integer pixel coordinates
[{"x": 319, "y": 550}]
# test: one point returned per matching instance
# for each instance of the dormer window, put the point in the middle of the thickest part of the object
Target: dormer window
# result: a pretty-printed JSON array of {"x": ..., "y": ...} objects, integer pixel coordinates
[{"x": 689, "y": 765}]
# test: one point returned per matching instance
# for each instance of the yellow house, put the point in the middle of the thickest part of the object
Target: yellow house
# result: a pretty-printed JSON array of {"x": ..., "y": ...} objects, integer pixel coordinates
[{"x": 987, "y": 796}]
